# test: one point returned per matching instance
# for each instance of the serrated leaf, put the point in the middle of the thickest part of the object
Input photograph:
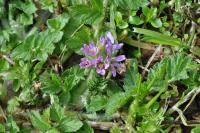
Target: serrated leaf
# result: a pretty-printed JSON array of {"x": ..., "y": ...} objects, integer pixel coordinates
[
  {"x": 11, "y": 125},
  {"x": 37, "y": 46},
  {"x": 38, "y": 122},
  {"x": 48, "y": 4},
  {"x": 13, "y": 104},
  {"x": 85, "y": 129},
  {"x": 132, "y": 77},
  {"x": 97, "y": 103},
  {"x": 56, "y": 112},
  {"x": 79, "y": 39},
  {"x": 4, "y": 65},
  {"x": 149, "y": 13},
  {"x": 25, "y": 19},
  {"x": 171, "y": 69},
  {"x": 28, "y": 7},
  {"x": 59, "y": 22},
  {"x": 117, "y": 101},
  {"x": 87, "y": 14},
  {"x": 70, "y": 124},
  {"x": 130, "y": 4},
  {"x": 72, "y": 77},
  {"x": 51, "y": 84},
  {"x": 97, "y": 4}
]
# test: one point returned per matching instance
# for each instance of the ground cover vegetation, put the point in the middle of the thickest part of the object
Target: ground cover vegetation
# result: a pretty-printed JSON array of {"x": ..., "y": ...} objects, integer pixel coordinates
[{"x": 98, "y": 66}]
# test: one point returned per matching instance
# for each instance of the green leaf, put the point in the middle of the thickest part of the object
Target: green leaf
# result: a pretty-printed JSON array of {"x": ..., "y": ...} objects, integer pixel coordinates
[
  {"x": 136, "y": 20},
  {"x": 56, "y": 112},
  {"x": 196, "y": 129},
  {"x": 53, "y": 130},
  {"x": 70, "y": 124},
  {"x": 120, "y": 22},
  {"x": 81, "y": 37},
  {"x": 4, "y": 65},
  {"x": 97, "y": 4},
  {"x": 37, "y": 46},
  {"x": 132, "y": 77},
  {"x": 136, "y": 43},
  {"x": 149, "y": 13},
  {"x": 179, "y": 66},
  {"x": 13, "y": 104},
  {"x": 97, "y": 103},
  {"x": 86, "y": 14},
  {"x": 130, "y": 4},
  {"x": 171, "y": 69},
  {"x": 51, "y": 83},
  {"x": 11, "y": 125},
  {"x": 2, "y": 128},
  {"x": 59, "y": 22},
  {"x": 85, "y": 129},
  {"x": 48, "y": 5},
  {"x": 25, "y": 19},
  {"x": 97, "y": 83},
  {"x": 117, "y": 101},
  {"x": 72, "y": 77},
  {"x": 3, "y": 91},
  {"x": 28, "y": 7},
  {"x": 157, "y": 37},
  {"x": 38, "y": 122},
  {"x": 157, "y": 23},
  {"x": 115, "y": 130}
]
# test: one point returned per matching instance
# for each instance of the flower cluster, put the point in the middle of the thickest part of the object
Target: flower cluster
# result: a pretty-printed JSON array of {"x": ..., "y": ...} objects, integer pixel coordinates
[{"x": 102, "y": 57}]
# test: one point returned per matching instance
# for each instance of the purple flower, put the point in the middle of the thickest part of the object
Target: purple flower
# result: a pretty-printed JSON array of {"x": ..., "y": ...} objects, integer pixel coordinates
[
  {"x": 101, "y": 67},
  {"x": 102, "y": 40},
  {"x": 85, "y": 63},
  {"x": 90, "y": 49},
  {"x": 117, "y": 46},
  {"x": 103, "y": 57},
  {"x": 109, "y": 37},
  {"x": 117, "y": 67},
  {"x": 120, "y": 58}
]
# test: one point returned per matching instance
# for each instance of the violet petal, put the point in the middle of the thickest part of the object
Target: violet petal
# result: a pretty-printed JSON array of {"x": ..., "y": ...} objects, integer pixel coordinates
[{"x": 120, "y": 58}]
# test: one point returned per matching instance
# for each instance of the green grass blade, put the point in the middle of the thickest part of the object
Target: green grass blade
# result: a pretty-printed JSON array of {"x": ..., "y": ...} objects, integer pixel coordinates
[{"x": 156, "y": 37}]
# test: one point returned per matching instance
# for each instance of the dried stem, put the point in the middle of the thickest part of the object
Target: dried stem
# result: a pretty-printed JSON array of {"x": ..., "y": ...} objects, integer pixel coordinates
[{"x": 151, "y": 59}]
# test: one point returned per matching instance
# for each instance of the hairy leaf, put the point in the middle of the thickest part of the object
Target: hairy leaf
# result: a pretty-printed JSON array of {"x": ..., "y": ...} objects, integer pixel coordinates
[
  {"x": 97, "y": 103},
  {"x": 117, "y": 101},
  {"x": 59, "y": 22},
  {"x": 37, "y": 46},
  {"x": 70, "y": 124},
  {"x": 38, "y": 122}
]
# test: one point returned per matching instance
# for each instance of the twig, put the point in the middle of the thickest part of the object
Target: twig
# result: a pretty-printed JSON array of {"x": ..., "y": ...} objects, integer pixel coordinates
[
  {"x": 8, "y": 59},
  {"x": 197, "y": 60},
  {"x": 145, "y": 69},
  {"x": 151, "y": 59},
  {"x": 191, "y": 100},
  {"x": 184, "y": 99},
  {"x": 102, "y": 125}
]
